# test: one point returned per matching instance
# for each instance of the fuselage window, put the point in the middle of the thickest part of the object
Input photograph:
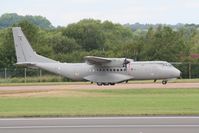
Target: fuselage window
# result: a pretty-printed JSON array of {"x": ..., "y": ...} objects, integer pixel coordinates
[
  {"x": 118, "y": 70},
  {"x": 100, "y": 69},
  {"x": 114, "y": 70},
  {"x": 103, "y": 69},
  {"x": 125, "y": 69},
  {"x": 107, "y": 69},
  {"x": 110, "y": 69}
]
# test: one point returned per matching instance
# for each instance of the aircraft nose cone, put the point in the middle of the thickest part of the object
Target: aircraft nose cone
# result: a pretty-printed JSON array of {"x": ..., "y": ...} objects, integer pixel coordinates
[{"x": 178, "y": 73}]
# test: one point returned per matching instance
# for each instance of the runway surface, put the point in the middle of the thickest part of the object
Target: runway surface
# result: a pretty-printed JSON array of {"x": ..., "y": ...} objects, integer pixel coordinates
[
  {"x": 101, "y": 125},
  {"x": 94, "y": 86},
  {"x": 41, "y": 90}
]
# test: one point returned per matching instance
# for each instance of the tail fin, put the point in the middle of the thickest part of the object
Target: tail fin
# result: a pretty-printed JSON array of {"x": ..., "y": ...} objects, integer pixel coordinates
[{"x": 24, "y": 51}]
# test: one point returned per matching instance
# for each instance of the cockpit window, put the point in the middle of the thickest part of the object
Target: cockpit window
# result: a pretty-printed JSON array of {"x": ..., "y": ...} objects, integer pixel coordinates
[{"x": 167, "y": 64}]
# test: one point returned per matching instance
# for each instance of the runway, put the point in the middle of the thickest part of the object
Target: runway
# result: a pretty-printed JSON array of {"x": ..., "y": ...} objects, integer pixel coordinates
[
  {"x": 94, "y": 86},
  {"x": 42, "y": 90},
  {"x": 101, "y": 125}
]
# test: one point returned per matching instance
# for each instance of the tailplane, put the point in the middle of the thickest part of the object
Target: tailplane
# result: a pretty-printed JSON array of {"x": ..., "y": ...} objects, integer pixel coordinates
[{"x": 24, "y": 52}]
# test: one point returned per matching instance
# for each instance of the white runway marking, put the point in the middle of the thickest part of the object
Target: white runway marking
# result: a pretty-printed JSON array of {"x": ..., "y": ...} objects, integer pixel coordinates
[
  {"x": 101, "y": 118},
  {"x": 99, "y": 126}
]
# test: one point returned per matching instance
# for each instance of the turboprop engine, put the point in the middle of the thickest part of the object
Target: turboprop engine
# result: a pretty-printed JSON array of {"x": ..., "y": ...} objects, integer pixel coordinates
[{"x": 118, "y": 62}]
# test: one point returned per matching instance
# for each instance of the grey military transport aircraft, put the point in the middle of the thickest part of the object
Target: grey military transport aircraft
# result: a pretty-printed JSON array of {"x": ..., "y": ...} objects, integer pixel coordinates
[{"x": 103, "y": 71}]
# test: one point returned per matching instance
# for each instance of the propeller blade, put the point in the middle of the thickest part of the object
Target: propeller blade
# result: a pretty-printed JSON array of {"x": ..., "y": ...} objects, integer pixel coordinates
[{"x": 125, "y": 63}]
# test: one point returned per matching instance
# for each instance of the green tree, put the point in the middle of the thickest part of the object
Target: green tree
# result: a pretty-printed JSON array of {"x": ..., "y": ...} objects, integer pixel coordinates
[
  {"x": 87, "y": 33},
  {"x": 8, "y": 19},
  {"x": 164, "y": 44},
  {"x": 7, "y": 52},
  {"x": 115, "y": 35}
]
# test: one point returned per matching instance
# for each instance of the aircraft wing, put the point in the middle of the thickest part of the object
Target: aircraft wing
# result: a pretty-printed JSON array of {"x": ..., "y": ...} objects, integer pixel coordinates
[{"x": 94, "y": 60}]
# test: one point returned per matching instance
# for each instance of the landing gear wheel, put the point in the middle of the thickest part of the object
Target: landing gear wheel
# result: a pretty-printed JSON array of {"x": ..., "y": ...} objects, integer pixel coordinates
[
  {"x": 99, "y": 84},
  {"x": 105, "y": 84},
  {"x": 164, "y": 82},
  {"x": 112, "y": 83}
]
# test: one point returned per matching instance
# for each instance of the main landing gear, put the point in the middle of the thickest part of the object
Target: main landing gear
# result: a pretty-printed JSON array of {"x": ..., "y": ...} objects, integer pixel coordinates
[
  {"x": 100, "y": 83},
  {"x": 164, "y": 82}
]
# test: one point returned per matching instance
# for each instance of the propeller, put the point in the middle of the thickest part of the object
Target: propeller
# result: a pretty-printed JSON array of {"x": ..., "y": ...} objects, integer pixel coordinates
[{"x": 125, "y": 63}]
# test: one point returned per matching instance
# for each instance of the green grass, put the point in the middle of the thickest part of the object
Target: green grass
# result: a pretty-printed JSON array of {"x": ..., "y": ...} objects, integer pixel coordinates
[
  {"x": 196, "y": 80},
  {"x": 106, "y": 102},
  {"x": 48, "y": 80},
  {"x": 44, "y": 83}
]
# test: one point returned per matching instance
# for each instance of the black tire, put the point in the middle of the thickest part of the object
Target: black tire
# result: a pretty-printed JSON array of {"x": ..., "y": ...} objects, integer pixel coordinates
[
  {"x": 105, "y": 84},
  {"x": 164, "y": 82},
  {"x": 112, "y": 83},
  {"x": 99, "y": 83}
]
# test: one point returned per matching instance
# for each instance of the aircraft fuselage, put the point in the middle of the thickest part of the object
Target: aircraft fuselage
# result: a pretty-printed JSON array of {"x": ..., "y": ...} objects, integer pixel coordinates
[
  {"x": 143, "y": 70},
  {"x": 103, "y": 71}
]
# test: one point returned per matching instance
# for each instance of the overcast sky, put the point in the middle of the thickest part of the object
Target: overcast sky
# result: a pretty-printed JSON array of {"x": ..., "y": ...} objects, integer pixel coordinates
[{"x": 63, "y": 12}]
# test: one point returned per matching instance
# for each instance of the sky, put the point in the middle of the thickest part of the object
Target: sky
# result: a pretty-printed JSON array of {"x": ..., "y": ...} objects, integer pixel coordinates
[{"x": 64, "y": 12}]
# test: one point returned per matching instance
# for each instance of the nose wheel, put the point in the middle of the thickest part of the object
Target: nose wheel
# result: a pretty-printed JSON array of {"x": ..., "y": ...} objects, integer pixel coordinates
[{"x": 164, "y": 82}]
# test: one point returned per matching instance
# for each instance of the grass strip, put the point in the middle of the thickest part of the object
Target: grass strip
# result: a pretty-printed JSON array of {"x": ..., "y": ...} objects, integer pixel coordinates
[{"x": 106, "y": 102}]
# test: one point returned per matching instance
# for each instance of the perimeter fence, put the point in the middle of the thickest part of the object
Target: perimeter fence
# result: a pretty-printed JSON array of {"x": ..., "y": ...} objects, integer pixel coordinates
[{"x": 20, "y": 75}]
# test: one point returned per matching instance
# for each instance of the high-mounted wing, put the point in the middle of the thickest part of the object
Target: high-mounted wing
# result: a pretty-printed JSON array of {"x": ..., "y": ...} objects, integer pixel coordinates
[{"x": 93, "y": 60}]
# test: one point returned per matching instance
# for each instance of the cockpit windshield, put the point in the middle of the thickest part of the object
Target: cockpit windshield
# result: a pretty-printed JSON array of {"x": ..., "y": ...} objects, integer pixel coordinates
[{"x": 167, "y": 64}]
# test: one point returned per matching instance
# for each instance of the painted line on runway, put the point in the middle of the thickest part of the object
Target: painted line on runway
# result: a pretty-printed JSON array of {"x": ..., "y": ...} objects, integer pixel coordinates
[
  {"x": 99, "y": 118},
  {"x": 102, "y": 126}
]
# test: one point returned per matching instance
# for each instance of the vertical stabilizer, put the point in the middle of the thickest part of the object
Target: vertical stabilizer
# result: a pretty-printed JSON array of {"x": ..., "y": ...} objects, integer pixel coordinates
[{"x": 24, "y": 51}]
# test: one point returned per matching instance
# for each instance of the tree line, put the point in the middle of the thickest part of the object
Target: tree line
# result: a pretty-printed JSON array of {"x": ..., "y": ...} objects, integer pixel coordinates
[
  {"x": 8, "y": 19},
  {"x": 106, "y": 39}
]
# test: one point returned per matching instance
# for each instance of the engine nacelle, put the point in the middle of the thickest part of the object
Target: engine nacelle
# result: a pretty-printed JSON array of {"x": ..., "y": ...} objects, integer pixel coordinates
[{"x": 118, "y": 62}]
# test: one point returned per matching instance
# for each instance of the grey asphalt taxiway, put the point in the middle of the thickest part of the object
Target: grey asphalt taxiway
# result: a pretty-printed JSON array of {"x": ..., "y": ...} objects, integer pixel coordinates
[{"x": 101, "y": 125}]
